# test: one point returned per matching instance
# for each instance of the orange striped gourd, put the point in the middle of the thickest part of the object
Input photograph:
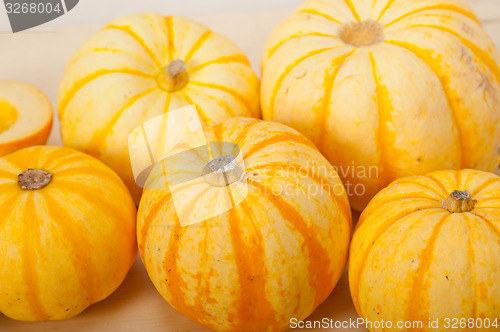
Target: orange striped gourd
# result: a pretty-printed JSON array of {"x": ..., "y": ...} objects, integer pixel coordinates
[
  {"x": 386, "y": 88},
  {"x": 428, "y": 247},
  {"x": 275, "y": 256},
  {"x": 140, "y": 66},
  {"x": 67, "y": 233}
]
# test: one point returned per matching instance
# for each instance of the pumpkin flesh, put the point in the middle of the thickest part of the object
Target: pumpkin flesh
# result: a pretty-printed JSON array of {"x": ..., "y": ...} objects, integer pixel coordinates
[{"x": 25, "y": 116}]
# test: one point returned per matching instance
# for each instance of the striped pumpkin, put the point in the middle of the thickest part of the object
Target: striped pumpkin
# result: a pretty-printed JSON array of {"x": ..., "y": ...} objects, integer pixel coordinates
[
  {"x": 275, "y": 256},
  {"x": 67, "y": 233},
  {"x": 428, "y": 247},
  {"x": 140, "y": 66},
  {"x": 386, "y": 88}
]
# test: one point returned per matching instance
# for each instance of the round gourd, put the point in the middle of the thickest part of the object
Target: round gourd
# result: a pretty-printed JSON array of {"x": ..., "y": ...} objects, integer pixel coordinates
[
  {"x": 386, "y": 89},
  {"x": 140, "y": 66},
  {"x": 67, "y": 233},
  {"x": 275, "y": 256},
  {"x": 25, "y": 116},
  {"x": 428, "y": 247}
]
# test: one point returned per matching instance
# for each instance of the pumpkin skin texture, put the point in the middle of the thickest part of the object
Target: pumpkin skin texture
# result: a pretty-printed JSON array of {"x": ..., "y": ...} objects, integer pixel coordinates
[
  {"x": 67, "y": 245},
  {"x": 25, "y": 116},
  {"x": 276, "y": 255},
  {"x": 140, "y": 66},
  {"x": 405, "y": 87},
  {"x": 413, "y": 260}
]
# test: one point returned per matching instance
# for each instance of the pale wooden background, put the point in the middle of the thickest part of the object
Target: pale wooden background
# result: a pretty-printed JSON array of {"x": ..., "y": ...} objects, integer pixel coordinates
[{"x": 38, "y": 57}]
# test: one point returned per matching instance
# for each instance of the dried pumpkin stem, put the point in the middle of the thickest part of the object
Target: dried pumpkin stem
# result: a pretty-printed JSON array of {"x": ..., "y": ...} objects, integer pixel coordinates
[
  {"x": 175, "y": 68},
  {"x": 459, "y": 201},
  {"x": 33, "y": 179},
  {"x": 174, "y": 77},
  {"x": 222, "y": 171},
  {"x": 363, "y": 33}
]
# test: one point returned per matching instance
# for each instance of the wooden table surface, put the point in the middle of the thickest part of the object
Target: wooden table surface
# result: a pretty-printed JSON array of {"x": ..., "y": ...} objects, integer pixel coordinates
[{"x": 38, "y": 57}]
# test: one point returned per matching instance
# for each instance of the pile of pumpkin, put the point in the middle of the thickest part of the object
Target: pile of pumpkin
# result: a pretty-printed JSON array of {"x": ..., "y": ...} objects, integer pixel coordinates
[{"x": 410, "y": 87}]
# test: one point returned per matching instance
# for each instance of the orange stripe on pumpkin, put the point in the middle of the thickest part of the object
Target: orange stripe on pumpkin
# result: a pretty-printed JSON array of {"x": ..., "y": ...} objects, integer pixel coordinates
[
  {"x": 320, "y": 279},
  {"x": 238, "y": 58},
  {"x": 354, "y": 278},
  {"x": 69, "y": 172},
  {"x": 328, "y": 83},
  {"x": 174, "y": 276},
  {"x": 103, "y": 49},
  {"x": 99, "y": 137},
  {"x": 445, "y": 191},
  {"x": 243, "y": 133},
  {"x": 292, "y": 37},
  {"x": 482, "y": 55},
  {"x": 353, "y": 9},
  {"x": 471, "y": 259},
  {"x": 477, "y": 190},
  {"x": 386, "y": 8},
  {"x": 78, "y": 245},
  {"x": 218, "y": 132},
  {"x": 386, "y": 136},
  {"x": 415, "y": 301},
  {"x": 30, "y": 252},
  {"x": 59, "y": 159},
  {"x": 420, "y": 184},
  {"x": 6, "y": 174},
  {"x": 278, "y": 138},
  {"x": 91, "y": 77},
  {"x": 235, "y": 94},
  {"x": 197, "y": 45},
  {"x": 287, "y": 71},
  {"x": 252, "y": 304},
  {"x": 489, "y": 223},
  {"x": 451, "y": 96},
  {"x": 10, "y": 205},
  {"x": 151, "y": 216},
  {"x": 311, "y": 174},
  {"x": 169, "y": 23},
  {"x": 448, "y": 7},
  {"x": 168, "y": 100},
  {"x": 318, "y": 13},
  {"x": 128, "y": 30},
  {"x": 204, "y": 117}
]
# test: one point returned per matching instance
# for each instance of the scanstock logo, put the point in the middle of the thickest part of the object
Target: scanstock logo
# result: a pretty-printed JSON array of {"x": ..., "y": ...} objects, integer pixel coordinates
[{"x": 26, "y": 14}]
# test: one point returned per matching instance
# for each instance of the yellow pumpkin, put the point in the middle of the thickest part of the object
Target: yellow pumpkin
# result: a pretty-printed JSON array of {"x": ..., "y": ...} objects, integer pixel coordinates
[
  {"x": 25, "y": 116},
  {"x": 428, "y": 247},
  {"x": 67, "y": 233},
  {"x": 140, "y": 66},
  {"x": 276, "y": 255},
  {"x": 387, "y": 88}
]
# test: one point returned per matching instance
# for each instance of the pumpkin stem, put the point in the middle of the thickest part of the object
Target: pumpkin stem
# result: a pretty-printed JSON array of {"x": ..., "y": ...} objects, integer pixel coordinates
[
  {"x": 222, "y": 171},
  {"x": 174, "y": 77},
  {"x": 33, "y": 179},
  {"x": 459, "y": 201},
  {"x": 363, "y": 33}
]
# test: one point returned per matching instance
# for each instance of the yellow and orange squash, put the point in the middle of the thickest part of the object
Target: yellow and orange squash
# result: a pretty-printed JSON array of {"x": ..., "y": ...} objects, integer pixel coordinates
[
  {"x": 25, "y": 116},
  {"x": 276, "y": 255},
  {"x": 428, "y": 248},
  {"x": 67, "y": 233},
  {"x": 140, "y": 66},
  {"x": 386, "y": 89}
]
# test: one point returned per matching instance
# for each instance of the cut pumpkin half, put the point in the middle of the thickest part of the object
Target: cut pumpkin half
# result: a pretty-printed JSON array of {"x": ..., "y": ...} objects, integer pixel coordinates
[{"x": 25, "y": 116}]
